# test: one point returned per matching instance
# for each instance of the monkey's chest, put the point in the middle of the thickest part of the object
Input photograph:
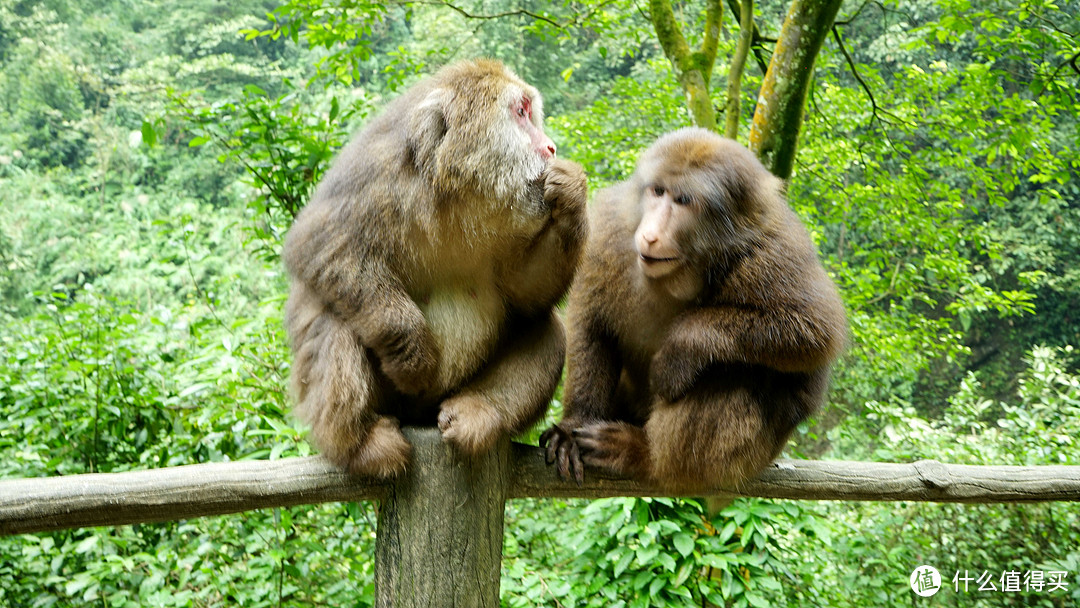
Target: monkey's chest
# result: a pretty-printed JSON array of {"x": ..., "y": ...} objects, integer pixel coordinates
[
  {"x": 643, "y": 328},
  {"x": 466, "y": 321}
]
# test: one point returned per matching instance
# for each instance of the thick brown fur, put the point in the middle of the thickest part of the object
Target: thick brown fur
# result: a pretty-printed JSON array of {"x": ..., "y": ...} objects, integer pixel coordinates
[
  {"x": 425, "y": 270},
  {"x": 701, "y": 325}
]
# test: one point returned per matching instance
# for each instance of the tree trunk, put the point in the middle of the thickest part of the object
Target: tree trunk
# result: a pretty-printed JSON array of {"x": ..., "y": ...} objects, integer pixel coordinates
[
  {"x": 733, "y": 108},
  {"x": 693, "y": 69},
  {"x": 774, "y": 135}
]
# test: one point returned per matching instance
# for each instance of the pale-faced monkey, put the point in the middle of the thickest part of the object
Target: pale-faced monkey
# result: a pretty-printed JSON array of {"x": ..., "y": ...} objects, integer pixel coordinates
[
  {"x": 701, "y": 326},
  {"x": 425, "y": 270}
]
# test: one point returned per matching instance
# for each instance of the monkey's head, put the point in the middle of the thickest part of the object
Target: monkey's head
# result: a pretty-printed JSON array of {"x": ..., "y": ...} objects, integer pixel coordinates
[
  {"x": 703, "y": 198},
  {"x": 479, "y": 128}
]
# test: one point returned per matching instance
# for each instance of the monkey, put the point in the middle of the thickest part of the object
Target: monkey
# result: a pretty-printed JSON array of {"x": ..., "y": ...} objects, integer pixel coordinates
[
  {"x": 425, "y": 270},
  {"x": 701, "y": 326}
]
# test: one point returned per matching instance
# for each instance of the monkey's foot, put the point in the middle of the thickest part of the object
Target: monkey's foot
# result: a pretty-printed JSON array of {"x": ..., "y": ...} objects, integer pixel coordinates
[
  {"x": 384, "y": 453},
  {"x": 470, "y": 424},
  {"x": 617, "y": 447}
]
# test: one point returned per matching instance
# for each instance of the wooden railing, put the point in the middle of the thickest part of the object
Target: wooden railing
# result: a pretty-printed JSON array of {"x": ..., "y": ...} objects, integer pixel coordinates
[{"x": 442, "y": 522}]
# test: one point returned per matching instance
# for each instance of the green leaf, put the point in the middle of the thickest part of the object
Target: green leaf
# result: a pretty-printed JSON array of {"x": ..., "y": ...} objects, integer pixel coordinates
[
  {"x": 757, "y": 601},
  {"x": 656, "y": 585},
  {"x": 684, "y": 543},
  {"x": 87, "y": 544},
  {"x": 149, "y": 134},
  {"x": 666, "y": 561},
  {"x": 623, "y": 563}
]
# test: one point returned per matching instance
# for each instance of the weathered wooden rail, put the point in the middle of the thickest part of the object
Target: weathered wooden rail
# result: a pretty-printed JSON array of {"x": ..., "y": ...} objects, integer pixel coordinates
[{"x": 440, "y": 526}]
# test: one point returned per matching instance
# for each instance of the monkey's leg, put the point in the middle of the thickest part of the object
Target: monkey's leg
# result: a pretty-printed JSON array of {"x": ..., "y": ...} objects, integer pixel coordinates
[
  {"x": 334, "y": 384},
  {"x": 512, "y": 392},
  {"x": 709, "y": 440}
]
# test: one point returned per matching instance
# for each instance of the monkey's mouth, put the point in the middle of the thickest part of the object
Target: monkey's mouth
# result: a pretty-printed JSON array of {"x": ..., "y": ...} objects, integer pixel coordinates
[{"x": 651, "y": 260}]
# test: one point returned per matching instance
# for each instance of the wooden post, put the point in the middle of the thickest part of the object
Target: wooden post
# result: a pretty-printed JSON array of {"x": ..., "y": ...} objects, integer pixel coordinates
[{"x": 440, "y": 530}]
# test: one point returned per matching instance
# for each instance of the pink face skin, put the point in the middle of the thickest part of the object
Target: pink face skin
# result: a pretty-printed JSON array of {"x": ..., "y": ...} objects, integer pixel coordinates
[
  {"x": 542, "y": 144},
  {"x": 656, "y": 238}
]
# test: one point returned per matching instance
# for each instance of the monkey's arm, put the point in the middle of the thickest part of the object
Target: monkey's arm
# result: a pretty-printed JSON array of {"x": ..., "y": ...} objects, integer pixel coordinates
[
  {"x": 359, "y": 288},
  {"x": 592, "y": 375},
  {"x": 537, "y": 278},
  {"x": 797, "y": 338}
]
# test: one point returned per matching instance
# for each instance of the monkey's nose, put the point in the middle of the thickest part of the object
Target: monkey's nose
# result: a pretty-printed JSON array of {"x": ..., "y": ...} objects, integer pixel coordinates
[{"x": 551, "y": 148}]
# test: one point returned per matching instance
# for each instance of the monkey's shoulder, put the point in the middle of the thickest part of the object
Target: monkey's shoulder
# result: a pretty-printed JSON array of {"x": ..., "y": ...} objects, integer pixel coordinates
[{"x": 616, "y": 205}]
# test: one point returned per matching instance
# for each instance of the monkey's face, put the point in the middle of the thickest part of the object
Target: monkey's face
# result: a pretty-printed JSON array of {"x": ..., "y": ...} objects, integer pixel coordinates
[
  {"x": 666, "y": 217},
  {"x": 521, "y": 114},
  {"x": 499, "y": 140},
  {"x": 700, "y": 203},
  {"x": 520, "y": 150}
]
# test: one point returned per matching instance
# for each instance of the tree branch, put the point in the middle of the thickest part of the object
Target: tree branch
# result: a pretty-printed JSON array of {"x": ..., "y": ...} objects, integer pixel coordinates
[
  {"x": 774, "y": 133},
  {"x": 1071, "y": 62},
  {"x": 714, "y": 16},
  {"x": 876, "y": 111},
  {"x": 468, "y": 15},
  {"x": 692, "y": 69},
  {"x": 733, "y": 106},
  {"x": 669, "y": 34},
  {"x": 757, "y": 38}
]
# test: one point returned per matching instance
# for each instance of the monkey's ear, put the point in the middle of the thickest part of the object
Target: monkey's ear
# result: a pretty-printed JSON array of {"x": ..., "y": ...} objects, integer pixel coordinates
[{"x": 427, "y": 127}]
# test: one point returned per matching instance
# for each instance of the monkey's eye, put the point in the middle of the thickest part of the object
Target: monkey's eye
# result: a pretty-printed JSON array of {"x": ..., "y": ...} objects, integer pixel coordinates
[
  {"x": 525, "y": 108},
  {"x": 682, "y": 199},
  {"x": 658, "y": 190}
]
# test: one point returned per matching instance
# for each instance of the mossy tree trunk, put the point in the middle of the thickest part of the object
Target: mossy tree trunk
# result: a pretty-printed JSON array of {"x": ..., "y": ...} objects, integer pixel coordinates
[
  {"x": 774, "y": 135},
  {"x": 692, "y": 68},
  {"x": 733, "y": 108}
]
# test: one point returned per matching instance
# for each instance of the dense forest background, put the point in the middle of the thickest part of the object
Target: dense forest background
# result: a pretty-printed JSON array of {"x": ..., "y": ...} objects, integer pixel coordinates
[{"x": 153, "y": 153}]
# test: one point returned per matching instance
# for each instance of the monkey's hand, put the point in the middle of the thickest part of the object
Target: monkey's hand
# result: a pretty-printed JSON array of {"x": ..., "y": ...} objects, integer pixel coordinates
[
  {"x": 565, "y": 191},
  {"x": 562, "y": 451},
  {"x": 409, "y": 356},
  {"x": 535, "y": 278},
  {"x": 673, "y": 371}
]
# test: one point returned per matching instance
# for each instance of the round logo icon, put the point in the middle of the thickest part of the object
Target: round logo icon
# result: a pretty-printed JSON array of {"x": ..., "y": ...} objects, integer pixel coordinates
[{"x": 925, "y": 581}]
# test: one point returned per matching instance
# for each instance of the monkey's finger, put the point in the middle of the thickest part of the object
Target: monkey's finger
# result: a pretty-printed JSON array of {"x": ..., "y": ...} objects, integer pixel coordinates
[
  {"x": 576, "y": 466},
  {"x": 587, "y": 440},
  {"x": 545, "y": 439},
  {"x": 562, "y": 461},
  {"x": 551, "y": 439}
]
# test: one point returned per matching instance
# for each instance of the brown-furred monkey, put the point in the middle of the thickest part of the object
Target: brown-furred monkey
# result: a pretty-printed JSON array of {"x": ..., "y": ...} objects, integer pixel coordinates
[
  {"x": 701, "y": 326},
  {"x": 425, "y": 270}
]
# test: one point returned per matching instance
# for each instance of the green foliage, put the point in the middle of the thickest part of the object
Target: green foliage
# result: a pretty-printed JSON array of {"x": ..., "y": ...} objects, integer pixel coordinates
[
  {"x": 919, "y": 188},
  {"x": 281, "y": 144},
  {"x": 140, "y": 295},
  {"x": 876, "y": 546},
  {"x": 644, "y": 552},
  {"x": 607, "y": 135}
]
